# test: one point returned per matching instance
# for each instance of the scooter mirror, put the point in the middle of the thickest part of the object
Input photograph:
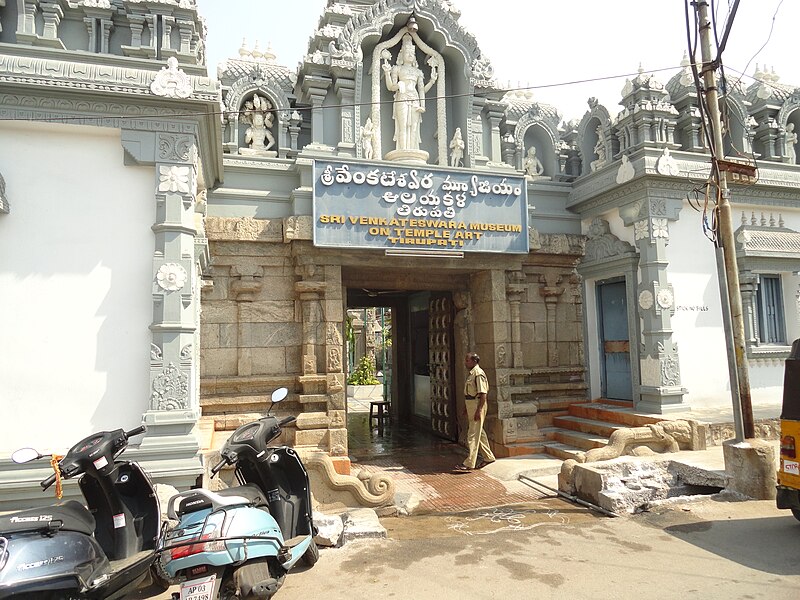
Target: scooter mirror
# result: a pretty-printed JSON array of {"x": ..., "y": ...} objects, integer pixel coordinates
[
  {"x": 24, "y": 455},
  {"x": 279, "y": 395}
]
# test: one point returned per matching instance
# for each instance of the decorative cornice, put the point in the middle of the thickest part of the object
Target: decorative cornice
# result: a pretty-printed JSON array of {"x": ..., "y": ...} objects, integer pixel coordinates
[{"x": 112, "y": 80}]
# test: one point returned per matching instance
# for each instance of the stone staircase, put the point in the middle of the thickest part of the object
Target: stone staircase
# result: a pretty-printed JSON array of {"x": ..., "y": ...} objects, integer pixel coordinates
[{"x": 581, "y": 427}]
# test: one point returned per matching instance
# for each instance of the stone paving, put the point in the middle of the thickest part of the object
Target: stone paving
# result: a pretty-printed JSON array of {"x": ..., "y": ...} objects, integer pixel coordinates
[{"x": 422, "y": 464}]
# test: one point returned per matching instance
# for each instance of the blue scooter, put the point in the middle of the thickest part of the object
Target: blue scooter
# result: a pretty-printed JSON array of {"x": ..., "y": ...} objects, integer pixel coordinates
[{"x": 239, "y": 543}]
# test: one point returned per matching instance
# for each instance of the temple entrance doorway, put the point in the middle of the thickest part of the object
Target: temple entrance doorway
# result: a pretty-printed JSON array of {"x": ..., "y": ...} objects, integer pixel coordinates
[
  {"x": 410, "y": 333},
  {"x": 615, "y": 361}
]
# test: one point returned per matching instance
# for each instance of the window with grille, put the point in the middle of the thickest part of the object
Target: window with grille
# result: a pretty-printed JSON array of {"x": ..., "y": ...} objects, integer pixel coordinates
[{"x": 771, "y": 324}]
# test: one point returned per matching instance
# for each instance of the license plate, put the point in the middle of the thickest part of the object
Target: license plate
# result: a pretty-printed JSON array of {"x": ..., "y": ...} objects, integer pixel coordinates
[
  {"x": 198, "y": 589},
  {"x": 792, "y": 467}
]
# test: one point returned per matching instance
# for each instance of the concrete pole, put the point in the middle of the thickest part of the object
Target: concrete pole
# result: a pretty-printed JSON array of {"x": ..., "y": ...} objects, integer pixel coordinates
[{"x": 725, "y": 222}]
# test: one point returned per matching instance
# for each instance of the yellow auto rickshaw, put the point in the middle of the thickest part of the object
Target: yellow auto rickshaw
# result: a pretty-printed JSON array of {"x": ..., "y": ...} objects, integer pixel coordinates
[{"x": 789, "y": 468}]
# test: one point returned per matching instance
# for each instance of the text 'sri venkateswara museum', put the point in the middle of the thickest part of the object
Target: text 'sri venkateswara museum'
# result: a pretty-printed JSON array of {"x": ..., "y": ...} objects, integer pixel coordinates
[{"x": 174, "y": 247}]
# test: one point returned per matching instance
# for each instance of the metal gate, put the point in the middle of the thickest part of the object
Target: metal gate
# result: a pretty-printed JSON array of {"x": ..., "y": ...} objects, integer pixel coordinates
[{"x": 440, "y": 351}]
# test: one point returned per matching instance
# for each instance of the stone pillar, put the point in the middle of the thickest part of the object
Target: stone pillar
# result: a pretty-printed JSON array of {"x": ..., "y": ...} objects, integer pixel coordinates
[
  {"x": 295, "y": 122},
  {"x": 316, "y": 88},
  {"x": 748, "y": 285},
  {"x": 476, "y": 156},
  {"x": 765, "y": 139},
  {"x": 345, "y": 92},
  {"x": 26, "y": 20},
  {"x": 551, "y": 291},
  {"x": 495, "y": 112},
  {"x": 167, "y": 21},
  {"x": 514, "y": 292},
  {"x": 52, "y": 13},
  {"x": 245, "y": 285},
  {"x": 660, "y": 391},
  {"x": 174, "y": 406}
]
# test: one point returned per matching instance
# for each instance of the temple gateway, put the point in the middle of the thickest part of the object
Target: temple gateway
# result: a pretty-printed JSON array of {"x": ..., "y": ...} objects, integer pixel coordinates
[{"x": 199, "y": 242}]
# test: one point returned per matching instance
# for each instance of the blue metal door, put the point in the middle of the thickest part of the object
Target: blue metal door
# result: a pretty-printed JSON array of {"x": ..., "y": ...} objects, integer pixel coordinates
[{"x": 614, "y": 341}]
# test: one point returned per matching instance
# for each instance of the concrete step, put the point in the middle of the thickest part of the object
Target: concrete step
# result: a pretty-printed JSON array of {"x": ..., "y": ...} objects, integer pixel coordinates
[
  {"x": 584, "y": 441},
  {"x": 612, "y": 413},
  {"x": 234, "y": 403},
  {"x": 603, "y": 428},
  {"x": 520, "y": 449},
  {"x": 562, "y": 451}
]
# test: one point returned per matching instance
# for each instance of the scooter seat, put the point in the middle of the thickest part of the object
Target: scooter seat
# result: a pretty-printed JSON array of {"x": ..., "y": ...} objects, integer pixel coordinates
[
  {"x": 200, "y": 499},
  {"x": 249, "y": 491},
  {"x": 65, "y": 516}
]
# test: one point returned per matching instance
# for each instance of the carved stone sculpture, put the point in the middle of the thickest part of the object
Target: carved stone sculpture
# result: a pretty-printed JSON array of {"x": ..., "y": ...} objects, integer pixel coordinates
[
  {"x": 407, "y": 82},
  {"x": 374, "y": 490},
  {"x": 664, "y": 436},
  {"x": 790, "y": 141},
  {"x": 456, "y": 149},
  {"x": 532, "y": 165},
  {"x": 171, "y": 81},
  {"x": 258, "y": 114},
  {"x": 368, "y": 139},
  {"x": 599, "y": 150}
]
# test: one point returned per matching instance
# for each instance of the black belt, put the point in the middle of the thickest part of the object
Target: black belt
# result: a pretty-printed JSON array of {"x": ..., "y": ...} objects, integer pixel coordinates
[{"x": 470, "y": 397}]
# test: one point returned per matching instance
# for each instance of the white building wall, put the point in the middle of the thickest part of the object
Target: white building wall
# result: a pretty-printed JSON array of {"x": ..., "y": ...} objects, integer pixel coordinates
[
  {"x": 698, "y": 327},
  {"x": 697, "y": 322},
  {"x": 75, "y": 275}
]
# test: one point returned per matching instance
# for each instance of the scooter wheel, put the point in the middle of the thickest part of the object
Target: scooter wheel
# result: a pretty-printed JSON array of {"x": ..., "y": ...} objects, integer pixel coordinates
[
  {"x": 796, "y": 513},
  {"x": 311, "y": 555},
  {"x": 158, "y": 578}
]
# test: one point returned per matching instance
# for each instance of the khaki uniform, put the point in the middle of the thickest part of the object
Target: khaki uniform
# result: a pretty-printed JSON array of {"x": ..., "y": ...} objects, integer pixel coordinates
[{"x": 476, "y": 383}]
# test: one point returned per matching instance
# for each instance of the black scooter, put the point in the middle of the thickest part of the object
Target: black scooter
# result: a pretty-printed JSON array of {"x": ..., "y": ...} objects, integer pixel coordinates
[{"x": 66, "y": 552}]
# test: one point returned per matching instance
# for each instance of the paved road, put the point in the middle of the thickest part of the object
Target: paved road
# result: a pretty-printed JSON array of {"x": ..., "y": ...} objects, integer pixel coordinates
[{"x": 703, "y": 549}]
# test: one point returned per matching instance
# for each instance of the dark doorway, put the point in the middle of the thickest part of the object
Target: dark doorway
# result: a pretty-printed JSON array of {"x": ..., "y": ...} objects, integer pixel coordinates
[
  {"x": 421, "y": 387},
  {"x": 615, "y": 358}
]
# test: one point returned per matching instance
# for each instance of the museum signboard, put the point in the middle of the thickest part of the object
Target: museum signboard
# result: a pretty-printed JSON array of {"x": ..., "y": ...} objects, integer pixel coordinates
[{"x": 367, "y": 205}]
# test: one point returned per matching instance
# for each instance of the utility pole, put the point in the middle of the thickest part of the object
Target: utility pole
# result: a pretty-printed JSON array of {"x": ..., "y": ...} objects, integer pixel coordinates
[{"x": 725, "y": 225}]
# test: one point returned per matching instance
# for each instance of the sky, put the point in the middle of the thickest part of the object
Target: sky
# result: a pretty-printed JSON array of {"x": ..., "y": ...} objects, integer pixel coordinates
[{"x": 545, "y": 44}]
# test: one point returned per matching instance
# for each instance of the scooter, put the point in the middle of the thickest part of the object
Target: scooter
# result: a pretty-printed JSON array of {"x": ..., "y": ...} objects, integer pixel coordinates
[
  {"x": 66, "y": 551},
  {"x": 239, "y": 542}
]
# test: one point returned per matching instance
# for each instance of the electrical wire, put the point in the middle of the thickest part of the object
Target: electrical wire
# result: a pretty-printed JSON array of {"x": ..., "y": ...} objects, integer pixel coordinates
[{"x": 310, "y": 109}]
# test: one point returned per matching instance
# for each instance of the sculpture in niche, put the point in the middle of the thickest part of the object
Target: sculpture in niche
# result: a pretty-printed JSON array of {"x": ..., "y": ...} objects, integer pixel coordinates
[
  {"x": 790, "y": 141},
  {"x": 599, "y": 149},
  {"x": 456, "y": 149},
  {"x": 532, "y": 165},
  {"x": 258, "y": 114},
  {"x": 407, "y": 82},
  {"x": 368, "y": 139}
]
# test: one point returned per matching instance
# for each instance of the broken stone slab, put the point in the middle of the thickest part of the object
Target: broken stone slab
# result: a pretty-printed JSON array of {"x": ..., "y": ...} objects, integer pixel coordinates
[
  {"x": 698, "y": 476},
  {"x": 330, "y": 528},
  {"x": 362, "y": 523},
  {"x": 627, "y": 484}
]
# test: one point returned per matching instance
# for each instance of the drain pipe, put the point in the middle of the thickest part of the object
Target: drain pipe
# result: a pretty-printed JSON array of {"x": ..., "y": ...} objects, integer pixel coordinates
[{"x": 569, "y": 497}]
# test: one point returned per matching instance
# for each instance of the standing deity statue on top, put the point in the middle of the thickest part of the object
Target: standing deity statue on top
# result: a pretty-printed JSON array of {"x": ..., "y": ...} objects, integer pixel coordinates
[{"x": 407, "y": 82}]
